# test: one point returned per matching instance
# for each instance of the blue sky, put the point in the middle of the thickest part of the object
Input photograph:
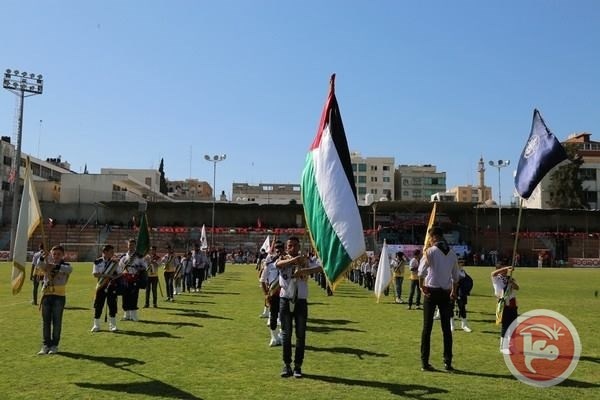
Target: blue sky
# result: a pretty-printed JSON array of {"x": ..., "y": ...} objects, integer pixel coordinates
[{"x": 127, "y": 83}]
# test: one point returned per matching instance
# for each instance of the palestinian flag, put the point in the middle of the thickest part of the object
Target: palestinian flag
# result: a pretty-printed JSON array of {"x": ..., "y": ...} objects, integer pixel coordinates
[
  {"x": 329, "y": 195},
  {"x": 143, "y": 239}
]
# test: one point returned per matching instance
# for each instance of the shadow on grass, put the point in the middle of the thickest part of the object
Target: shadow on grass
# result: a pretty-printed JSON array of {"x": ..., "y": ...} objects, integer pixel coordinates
[
  {"x": 328, "y": 329},
  {"x": 407, "y": 391},
  {"x": 193, "y": 302},
  {"x": 590, "y": 359},
  {"x": 210, "y": 292},
  {"x": 489, "y": 321},
  {"x": 147, "y": 334},
  {"x": 483, "y": 313},
  {"x": 566, "y": 382},
  {"x": 199, "y": 314},
  {"x": 147, "y": 389},
  {"x": 330, "y": 321},
  {"x": 78, "y": 308},
  {"x": 347, "y": 350},
  {"x": 176, "y": 324},
  {"x": 114, "y": 362}
]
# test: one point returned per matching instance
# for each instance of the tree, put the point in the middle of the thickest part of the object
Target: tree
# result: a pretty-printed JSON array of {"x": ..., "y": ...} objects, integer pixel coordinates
[
  {"x": 566, "y": 190},
  {"x": 163, "y": 182}
]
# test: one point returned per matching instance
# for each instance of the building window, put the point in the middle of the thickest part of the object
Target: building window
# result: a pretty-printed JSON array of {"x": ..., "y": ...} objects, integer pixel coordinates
[
  {"x": 405, "y": 193},
  {"x": 353, "y": 167},
  {"x": 362, "y": 179},
  {"x": 373, "y": 167},
  {"x": 416, "y": 181},
  {"x": 587, "y": 174},
  {"x": 5, "y": 186},
  {"x": 405, "y": 182},
  {"x": 373, "y": 179},
  {"x": 434, "y": 181},
  {"x": 416, "y": 194},
  {"x": 362, "y": 190},
  {"x": 7, "y": 160},
  {"x": 362, "y": 167},
  {"x": 590, "y": 197},
  {"x": 148, "y": 181},
  {"x": 386, "y": 167},
  {"x": 373, "y": 191},
  {"x": 386, "y": 179},
  {"x": 45, "y": 172}
]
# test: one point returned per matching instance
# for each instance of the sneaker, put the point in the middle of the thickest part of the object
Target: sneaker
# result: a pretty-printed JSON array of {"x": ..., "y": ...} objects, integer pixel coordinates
[
  {"x": 286, "y": 372},
  {"x": 409, "y": 308},
  {"x": 297, "y": 372},
  {"x": 53, "y": 350},
  {"x": 427, "y": 368},
  {"x": 275, "y": 342},
  {"x": 448, "y": 367},
  {"x": 44, "y": 350}
]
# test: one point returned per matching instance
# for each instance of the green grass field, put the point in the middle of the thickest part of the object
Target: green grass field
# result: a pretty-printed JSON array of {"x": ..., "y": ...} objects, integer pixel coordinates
[{"x": 212, "y": 345}]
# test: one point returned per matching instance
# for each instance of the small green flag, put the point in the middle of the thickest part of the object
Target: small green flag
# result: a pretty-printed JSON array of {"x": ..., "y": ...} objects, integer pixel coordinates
[{"x": 143, "y": 239}]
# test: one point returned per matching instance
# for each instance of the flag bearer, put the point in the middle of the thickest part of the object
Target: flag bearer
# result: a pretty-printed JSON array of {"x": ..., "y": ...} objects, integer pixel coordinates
[{"x": 56, "y": 275}]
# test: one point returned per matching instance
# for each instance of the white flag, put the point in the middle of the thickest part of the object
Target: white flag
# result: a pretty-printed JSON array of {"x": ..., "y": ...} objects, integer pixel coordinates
[
  {"x": 266, "y": 246},
  {"x": 384, "y": 273},
  {"x": 30, "y": 216},
  {"x": 203, "y": 241}
]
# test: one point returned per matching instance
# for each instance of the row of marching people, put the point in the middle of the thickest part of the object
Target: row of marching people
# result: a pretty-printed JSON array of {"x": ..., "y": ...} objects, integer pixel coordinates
[{"x": 128, "y": 274}]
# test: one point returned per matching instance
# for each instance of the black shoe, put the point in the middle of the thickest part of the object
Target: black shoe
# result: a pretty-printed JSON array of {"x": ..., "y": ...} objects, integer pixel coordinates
[
  {"x": 297, "y": 372},
  {"x": 286, "y": 372},
  {"x": 427, "y": 368},
  {"x": 155, "y": 306},
  {"x": 448, "y": 367}
]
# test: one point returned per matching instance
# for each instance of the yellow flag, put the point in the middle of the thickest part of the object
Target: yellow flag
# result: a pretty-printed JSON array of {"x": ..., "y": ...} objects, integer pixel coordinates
[
  {"x": 429, "y": 226},
  {"x": 30, "y": 216}
]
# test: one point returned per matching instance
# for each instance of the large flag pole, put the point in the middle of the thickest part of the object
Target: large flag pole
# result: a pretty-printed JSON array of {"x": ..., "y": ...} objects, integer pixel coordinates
[
  {"x": 384, "y": 274},
  {"x": 329, "y": 195},
  {"x": 30, "y": 216},
  {"x": 541, "y": 153}
]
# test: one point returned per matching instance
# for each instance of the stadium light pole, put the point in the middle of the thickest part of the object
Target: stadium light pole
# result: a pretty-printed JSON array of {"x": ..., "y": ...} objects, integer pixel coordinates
[
  {"x": 499, "y": 164},
  {"x": 214, "y": 159},
  {"x": 23, "y": 85}
]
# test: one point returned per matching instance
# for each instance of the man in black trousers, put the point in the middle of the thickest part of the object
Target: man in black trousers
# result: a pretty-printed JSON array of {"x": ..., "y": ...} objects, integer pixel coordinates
[{"x": 438, "y": 280}]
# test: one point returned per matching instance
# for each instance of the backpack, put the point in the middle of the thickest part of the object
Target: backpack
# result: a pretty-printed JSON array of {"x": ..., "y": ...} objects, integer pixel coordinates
[{"x": 465, "y": 285}]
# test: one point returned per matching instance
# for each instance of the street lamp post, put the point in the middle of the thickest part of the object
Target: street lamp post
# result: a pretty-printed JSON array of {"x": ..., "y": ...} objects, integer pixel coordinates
[
  {"x": 214, "y": 159},
  {"x": 23, "y": 85},
  {"x": 499, "y": 164}
]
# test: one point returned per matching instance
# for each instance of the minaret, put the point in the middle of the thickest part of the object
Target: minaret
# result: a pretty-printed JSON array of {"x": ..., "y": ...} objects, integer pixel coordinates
[{"x": 481, "y": 188}]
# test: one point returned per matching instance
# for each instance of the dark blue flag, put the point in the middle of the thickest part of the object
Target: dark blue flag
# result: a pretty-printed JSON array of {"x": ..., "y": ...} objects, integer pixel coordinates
[{"x": 541, "y": 153}]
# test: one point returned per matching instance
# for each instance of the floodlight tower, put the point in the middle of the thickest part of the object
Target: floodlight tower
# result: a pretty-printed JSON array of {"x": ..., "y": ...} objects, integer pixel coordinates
[
  {"x": 214, "y": 159},
  {"x": 23, "y": 85}
]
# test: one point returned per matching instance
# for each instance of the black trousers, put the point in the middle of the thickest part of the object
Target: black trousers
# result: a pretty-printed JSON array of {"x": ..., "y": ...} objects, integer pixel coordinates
[
  {"x": 110, "y": 297},
  {"x": 508, "y": 316},
  {"x": 151, "y": 288},
  {"x": 441, "y": 299}
]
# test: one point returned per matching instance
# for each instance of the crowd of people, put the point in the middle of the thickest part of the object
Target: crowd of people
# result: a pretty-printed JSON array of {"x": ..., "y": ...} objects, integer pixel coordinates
[
  {"x": 438, "y": 285},
  {"x": 121, "y": 276}
]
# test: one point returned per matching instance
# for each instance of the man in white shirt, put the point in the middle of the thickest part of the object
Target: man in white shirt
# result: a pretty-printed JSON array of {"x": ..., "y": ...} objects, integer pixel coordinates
[{"x": 438, "y": 279}]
